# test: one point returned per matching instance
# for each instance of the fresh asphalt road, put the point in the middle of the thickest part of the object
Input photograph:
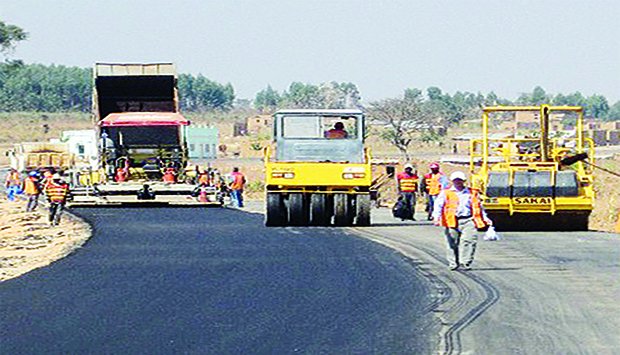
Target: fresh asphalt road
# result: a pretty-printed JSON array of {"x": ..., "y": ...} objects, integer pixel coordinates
[{"x": 196, "y": 280}]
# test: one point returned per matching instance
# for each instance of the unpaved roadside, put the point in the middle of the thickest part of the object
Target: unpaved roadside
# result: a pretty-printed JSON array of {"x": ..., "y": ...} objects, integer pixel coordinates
[{"x": 27, "y": 242}]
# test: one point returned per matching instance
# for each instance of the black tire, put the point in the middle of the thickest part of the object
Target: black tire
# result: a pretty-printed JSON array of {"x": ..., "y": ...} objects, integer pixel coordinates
[
  {"x": 275, "y": 215},
  {"x": 319, "y": 214},
  {"x": 342, "y": 210},
  {"x": 577, "y": 222},
  {"x": 297, "y": 211},
  {"x": 362, "y": 206}
]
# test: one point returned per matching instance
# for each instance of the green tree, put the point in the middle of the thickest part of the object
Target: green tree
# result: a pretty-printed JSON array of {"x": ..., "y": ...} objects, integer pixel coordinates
[
  {"x": 300, "y": 95},
  {"x": 597, "y": 106},
  {"x": 336, "y": 95},
  {"x": 267, "y": 99},
  {"x": 614, "y": 112},
  {"x": 9, "y": 36},
  {"x": 538, "y": 96},
  {"x": 197, "y": 93}
]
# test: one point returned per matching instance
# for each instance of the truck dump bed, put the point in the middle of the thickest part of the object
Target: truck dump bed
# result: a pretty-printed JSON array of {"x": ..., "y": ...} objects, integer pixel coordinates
[{"x": 134, "y": 88}]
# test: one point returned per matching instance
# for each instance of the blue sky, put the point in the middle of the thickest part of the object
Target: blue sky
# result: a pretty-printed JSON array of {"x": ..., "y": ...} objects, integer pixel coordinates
[{"x": 382, "y": 46}]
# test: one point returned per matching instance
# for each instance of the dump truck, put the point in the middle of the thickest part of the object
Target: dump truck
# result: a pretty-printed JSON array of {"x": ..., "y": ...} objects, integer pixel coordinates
[
  {"x": 317, "y": 171},
  {"x": 525, "y": 181},
  {"x": 141, "y": 139},
  {"x": 30, "y": 156}
]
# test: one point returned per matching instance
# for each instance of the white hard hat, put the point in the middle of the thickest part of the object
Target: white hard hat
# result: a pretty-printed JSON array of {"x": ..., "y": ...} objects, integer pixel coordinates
[
  {"x": 408, "y": 166},
  {"x": 458, "y": 175}
]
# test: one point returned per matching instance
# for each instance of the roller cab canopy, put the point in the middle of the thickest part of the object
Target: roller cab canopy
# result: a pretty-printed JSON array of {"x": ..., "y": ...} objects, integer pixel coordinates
[{"x": 145, "y": 119}]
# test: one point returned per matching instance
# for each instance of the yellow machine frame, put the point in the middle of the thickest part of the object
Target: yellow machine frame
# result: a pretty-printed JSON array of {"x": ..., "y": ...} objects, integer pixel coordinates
[
  {"x": 502, "y": 155},
  {"x": 312, "y": 192}
]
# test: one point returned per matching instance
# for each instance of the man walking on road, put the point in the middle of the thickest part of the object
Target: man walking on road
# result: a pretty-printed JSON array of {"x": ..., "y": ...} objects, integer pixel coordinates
[
  {"x": 236, "y": 187},
  {"x": 432, "y": 184},
  {"x": 460, "y": 211},
  {"x": 57, "y": 191}
]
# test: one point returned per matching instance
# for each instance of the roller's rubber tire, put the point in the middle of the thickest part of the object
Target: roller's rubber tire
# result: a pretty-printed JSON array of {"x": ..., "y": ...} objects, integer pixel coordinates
[
  {"x": 362, "y": 213},
  {"x": 297, "y": 210},
  {"x": 342, "y": 210},
  {"x": 319, "y": 214},
  {"x": 275, "y": 215}
]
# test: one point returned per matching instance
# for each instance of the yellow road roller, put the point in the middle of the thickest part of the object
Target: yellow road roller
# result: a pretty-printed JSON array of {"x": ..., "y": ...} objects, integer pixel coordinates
[
  {"x": 524, "y": 178},
  {"x": 317, "y": 171}
]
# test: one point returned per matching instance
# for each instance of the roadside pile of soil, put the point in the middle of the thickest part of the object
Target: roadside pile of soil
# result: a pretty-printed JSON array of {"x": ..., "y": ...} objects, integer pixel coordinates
[{"x": 27, "y": 242}]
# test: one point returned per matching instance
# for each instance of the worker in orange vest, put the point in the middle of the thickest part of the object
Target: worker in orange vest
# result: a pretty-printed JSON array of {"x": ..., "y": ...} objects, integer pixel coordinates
[
  {"x": 47, "y": 177},
  {"x": 236, "y": 187},
  {"x": 32, "y": 189},
  {"x": 13, "y": 185},
  {"x": 459, "y": 210},
  {"x": 204, "y": 177},
  {"x": 432, "y": 184},
  {"x": 121, "y": 175},
  {"x": 170, "y": 176},
  {"x": 338, "y": 132},
  {"x": 57, "y": 192},
  {"x": 407, "y": 187}
]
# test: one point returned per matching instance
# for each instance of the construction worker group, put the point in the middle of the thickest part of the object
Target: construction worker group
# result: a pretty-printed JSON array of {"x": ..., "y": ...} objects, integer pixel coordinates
[{"x": 34, "y": 184}]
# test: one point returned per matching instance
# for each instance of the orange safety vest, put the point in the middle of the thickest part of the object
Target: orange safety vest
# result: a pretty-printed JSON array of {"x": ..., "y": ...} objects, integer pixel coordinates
[
  {"x": 121, "y": 175},
  {"x": 57, "y": 192},
  {"x": 238, "y": 181},
  {"x": 31, "y": 187},
  {"x": 204, "y": 179},
  {"x": 448, "y": 215},
  {"x": 336, "y": 134},
  {"x": 47, "y": 177},
  {"x": 406, "y": 182},
  {"x": 13, "y": 179},
  {"x": 433, "y": 185},
  {"x": 169, "y": 176}
]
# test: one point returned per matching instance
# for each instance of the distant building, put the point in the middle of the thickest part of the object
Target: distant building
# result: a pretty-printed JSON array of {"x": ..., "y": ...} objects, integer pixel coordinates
[
  {"x": 530, "y": 121},
  {"x": 202, "y": 142},
  {"x": 259, "y": 123}
]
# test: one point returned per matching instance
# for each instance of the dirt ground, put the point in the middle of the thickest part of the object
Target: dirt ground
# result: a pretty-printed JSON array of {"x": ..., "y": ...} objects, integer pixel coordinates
[{"x": 27, "y": 242}]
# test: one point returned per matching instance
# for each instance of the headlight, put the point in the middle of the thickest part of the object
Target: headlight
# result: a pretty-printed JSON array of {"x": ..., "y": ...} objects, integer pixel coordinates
[
  {"x": 280, "y": 175},
  {"x": 348, "y": 176}
]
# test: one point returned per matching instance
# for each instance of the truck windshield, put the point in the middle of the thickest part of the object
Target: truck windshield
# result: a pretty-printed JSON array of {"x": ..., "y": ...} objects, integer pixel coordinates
[
  {"x": 144, "y": 136},
  {"x": 319, "y": 127}
]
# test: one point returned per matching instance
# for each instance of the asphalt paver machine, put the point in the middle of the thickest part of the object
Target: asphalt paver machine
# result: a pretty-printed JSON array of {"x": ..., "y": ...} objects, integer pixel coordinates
[
  {"x": 526, "y": 181},
  {"x": 318, "y": 171}
]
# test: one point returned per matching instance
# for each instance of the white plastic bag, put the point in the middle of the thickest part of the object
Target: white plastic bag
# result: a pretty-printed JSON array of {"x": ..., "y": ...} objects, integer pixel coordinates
[{"x": 491, "y": 234}]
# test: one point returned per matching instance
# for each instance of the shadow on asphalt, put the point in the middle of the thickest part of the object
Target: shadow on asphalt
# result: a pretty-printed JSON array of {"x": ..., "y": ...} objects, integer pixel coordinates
[
  {"x": 144, "y": 205},
  {"x": 402, "y": 224},
  {"x": 494, "y": 269}
]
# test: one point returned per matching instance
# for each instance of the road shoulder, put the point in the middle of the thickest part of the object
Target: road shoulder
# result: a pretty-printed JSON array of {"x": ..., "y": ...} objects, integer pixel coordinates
[{"x": 27, "y": 242}]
